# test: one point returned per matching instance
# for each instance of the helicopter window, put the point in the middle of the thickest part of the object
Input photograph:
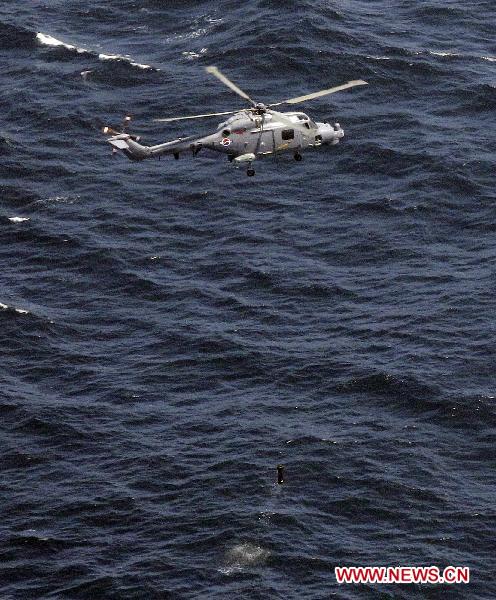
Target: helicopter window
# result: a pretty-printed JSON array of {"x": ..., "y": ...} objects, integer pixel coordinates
[
  {"x": 287, "y": 134},
  {"x": 307, "y": 125},
  {"x": 226, "y": 132}
]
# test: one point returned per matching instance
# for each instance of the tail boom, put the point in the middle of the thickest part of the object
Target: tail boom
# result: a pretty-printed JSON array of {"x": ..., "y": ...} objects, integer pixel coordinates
[{"x": 129, "y": 145}]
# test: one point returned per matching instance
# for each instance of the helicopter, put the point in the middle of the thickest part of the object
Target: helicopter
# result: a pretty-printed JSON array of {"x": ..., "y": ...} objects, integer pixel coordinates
[{"x": 247, "y": 135}]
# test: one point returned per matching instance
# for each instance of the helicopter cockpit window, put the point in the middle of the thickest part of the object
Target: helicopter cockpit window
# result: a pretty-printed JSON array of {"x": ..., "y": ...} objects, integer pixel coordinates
[{"x": 287, "y": 134}]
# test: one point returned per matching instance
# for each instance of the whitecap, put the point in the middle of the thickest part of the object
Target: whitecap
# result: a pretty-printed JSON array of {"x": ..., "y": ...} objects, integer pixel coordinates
[
  {"x": 192, "y": 55},
  {"x": 379, "y": 57},
  {"x": 49, "y": 40},
  {"x": 18, "y": 219},
  {"x": 489, "y": 58},
  {"x": 109, "y": 57},
  {"x": 125, "y": 59},
  {"x": 21, "y": 311},
  {"x": 443, "y": 53},
  {"x": 140, "y": 66}
]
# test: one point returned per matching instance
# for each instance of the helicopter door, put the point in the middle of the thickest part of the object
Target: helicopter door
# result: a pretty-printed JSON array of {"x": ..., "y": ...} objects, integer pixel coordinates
[
  {"x": 265, "y": 142},
  {"x": 288, "y": 138}
]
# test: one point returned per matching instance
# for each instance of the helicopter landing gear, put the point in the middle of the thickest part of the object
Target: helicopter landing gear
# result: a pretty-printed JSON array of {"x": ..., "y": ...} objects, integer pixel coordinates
[
  {"x": 176, "y": 155},
  {"x": 298, "y": 156},
  {"x": 250, "y": 171},
  {"x": 195, "y": 148}
]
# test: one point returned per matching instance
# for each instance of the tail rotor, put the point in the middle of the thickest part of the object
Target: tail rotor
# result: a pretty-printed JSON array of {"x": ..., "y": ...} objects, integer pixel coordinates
[{"x": 115, "y": 134}]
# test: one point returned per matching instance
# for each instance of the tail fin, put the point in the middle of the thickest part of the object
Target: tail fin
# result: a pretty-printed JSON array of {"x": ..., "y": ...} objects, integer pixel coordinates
[
  {"x": 128, "y": 145},
  {"x": 125, "y": 142}
]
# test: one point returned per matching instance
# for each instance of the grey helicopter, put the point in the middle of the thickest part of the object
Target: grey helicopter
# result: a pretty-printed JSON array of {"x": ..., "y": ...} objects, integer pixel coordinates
[{"x": 249, "y": 134}]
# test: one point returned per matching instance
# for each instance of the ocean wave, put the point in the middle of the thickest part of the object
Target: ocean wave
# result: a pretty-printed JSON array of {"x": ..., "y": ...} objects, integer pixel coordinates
[
  {"x": 389, "y": 384},
  {"x": 21, "y": 311},
  {"x": 452, "y": 54},
  {"x": 48, "y": 40},
  {"x": 18, "y": 219},
  {"x": 125, "y": 59},
  {"x": 192, "y": 55},
  {"x": 188, "y": 332},
  {"x": 14, "y": 36}
]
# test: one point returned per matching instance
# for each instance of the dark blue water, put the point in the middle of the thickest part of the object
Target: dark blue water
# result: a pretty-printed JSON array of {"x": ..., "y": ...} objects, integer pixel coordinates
[{"x": 171, "y": 331}]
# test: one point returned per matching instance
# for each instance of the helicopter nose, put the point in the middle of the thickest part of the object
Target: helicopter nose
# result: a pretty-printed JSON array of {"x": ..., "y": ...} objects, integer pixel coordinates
[{"x": 330, "y": 134}]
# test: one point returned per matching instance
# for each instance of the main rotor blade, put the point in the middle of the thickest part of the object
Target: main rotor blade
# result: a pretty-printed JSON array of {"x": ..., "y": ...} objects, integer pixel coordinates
[
  {"x": 169, "y": 119},
  {"x": 216, "y": 73},
  {"x": 287, "y": 121},
  {"x": 333, "y": 90}
]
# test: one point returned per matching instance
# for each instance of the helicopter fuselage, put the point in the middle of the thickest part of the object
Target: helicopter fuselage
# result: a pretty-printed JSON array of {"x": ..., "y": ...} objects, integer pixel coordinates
[
  {"x": 245, "y": 134},
  {"x": 248, "y": 134},
  {"x": 244, "y": 137}
]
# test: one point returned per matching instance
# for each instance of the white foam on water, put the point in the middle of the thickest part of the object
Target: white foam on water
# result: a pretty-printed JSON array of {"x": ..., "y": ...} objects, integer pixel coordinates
[
  {"x": 61, "y": 199},
  {"x": 109, "y": 57},
  {"x": 102, "y": 56},
  {"x": 456, "y": 54},
  {"x": 140, "y": 66},
  {"x": 21, "y": 311},
  {"x": 49, "y": 40},
  {"x": 18, "y": 219},
  {"x": 379, "y": 57},
  {"x": 192, "y": 54},
  {"x": 242, "y": 556},
  {"x": 443, "y": 53}
]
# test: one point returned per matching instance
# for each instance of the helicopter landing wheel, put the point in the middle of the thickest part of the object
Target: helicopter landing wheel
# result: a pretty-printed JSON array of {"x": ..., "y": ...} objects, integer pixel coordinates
[
  {"x": 298, "y": 156},
  {"x": 250, "y": 171}
]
